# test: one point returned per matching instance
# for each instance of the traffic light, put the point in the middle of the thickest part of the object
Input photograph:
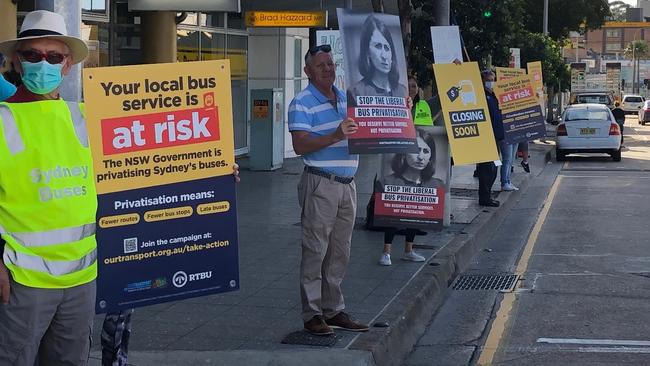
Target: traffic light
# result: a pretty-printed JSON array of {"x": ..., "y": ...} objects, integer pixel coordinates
[{"x": 487, "y": 6}]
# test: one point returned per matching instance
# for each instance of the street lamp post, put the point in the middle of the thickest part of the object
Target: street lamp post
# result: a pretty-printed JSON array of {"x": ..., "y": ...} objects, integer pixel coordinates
[{"x": 545, "y": 26}]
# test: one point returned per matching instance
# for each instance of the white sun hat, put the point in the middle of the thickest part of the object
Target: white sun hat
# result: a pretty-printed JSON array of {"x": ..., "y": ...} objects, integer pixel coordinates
[{"x": 46, "y": 24}]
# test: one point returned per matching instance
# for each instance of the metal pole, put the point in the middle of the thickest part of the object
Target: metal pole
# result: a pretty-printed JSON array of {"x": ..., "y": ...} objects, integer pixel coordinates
[
  {"x": 442, "y": 12},
  {"x": 545, "y": 27},
  {"x": 347, "y": 4}
]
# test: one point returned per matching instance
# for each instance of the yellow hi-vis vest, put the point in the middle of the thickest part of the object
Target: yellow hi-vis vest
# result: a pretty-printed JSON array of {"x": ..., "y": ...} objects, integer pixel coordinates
[
  {"x": 47, "y": 194},
  {"x": 422, "y": 114}
]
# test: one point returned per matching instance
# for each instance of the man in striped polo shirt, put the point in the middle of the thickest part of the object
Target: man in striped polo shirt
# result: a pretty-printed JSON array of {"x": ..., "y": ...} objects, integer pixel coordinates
[{"x": 326, "y": 192}]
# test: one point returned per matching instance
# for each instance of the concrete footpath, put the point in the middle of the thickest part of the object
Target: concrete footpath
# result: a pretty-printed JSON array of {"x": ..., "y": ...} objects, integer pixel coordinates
[{"x": 247, "y": 327}]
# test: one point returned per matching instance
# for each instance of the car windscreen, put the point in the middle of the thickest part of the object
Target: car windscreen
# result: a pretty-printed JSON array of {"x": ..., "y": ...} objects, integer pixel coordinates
[
  {"x": 584, "y": 114},
  {"x": 633, "y": 99},
  {"x": 600, "y": 99}
]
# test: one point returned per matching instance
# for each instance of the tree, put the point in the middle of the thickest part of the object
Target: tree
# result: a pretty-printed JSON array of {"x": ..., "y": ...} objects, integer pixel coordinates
[
  {"x": 618, "y": 9},
  {"x": 538, "y": 47},
  {"x": 420, "y": 53},
  {"x": 488, "y": 39},
  {"x": 565, "y": 16}
]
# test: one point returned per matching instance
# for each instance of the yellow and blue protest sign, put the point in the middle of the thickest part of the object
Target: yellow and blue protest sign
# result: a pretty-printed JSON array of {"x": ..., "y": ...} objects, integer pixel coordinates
[
  {"x": 466, "y": 114},
  {"x": 163, "y": 152},
  {"x": 520, "y": 109}
]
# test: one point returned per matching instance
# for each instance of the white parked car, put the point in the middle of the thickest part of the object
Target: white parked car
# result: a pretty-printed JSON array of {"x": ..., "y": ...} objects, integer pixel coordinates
[
  {"x": 588, "y": 128},
  {"x": 632, "y": 103}
]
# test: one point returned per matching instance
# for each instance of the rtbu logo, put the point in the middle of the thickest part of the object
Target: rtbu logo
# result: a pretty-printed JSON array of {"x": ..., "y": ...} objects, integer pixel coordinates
[
  {"x": 181, "y": 278},
  {"x": 156, "y": 130}
]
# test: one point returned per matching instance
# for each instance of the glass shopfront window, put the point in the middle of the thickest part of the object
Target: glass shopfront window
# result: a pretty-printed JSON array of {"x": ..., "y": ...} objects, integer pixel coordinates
[
  {"x": 96, "y": 37},
  {"x": 213, "y": 46},
  {"x": 236, "y": 21},
  {"x": 95, "y": 8},
  {"x": 187, "y": 44}
]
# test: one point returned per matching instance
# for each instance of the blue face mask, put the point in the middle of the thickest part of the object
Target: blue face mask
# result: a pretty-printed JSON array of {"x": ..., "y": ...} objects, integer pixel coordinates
[
  {"x": 41, "y": 77},
  {"x": 7, "y": 89}
]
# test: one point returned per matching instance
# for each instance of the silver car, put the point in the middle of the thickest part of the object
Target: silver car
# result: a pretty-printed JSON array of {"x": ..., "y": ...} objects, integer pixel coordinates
[
  {"x": 632, "y": 103},
  {"x": 644, "y": 113},
  {"x": 588, "y": 128}
]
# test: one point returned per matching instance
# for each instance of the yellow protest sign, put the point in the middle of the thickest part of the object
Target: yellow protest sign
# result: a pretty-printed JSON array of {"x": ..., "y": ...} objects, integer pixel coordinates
[
  {"x": 466, "y": 114},
  {"x": 157, "y": 124},
  {"x": 161, "y": 137},
  {"x": 504, "y": 73},
  {"x": 521, "y": 112},
  {"x": 535, "y": 71}
]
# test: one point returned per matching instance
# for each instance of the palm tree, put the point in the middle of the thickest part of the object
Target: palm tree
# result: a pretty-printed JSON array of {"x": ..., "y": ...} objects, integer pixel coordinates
[{"x": 636, "y": 50}]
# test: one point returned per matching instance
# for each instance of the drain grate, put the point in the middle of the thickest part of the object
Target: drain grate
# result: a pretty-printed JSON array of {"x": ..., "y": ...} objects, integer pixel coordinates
[{"x": 486, "y": 282}]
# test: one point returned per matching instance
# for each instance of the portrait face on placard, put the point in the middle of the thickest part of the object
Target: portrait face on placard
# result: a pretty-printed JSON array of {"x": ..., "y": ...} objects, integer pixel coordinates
[
  {"x": 374, "y": 55},
  {"x": 427, "y": 167}
]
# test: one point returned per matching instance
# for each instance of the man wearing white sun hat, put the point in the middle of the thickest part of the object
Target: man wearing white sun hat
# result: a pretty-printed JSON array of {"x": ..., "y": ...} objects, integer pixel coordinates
[{"x": 48, "y": 205}]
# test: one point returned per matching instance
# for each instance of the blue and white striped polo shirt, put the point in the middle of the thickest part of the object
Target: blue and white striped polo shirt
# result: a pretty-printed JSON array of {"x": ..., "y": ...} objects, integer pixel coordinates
[{"x": 311, "y": 111}]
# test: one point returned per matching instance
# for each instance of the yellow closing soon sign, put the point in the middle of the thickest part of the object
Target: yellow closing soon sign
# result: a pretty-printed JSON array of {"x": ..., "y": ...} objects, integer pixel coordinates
[{"x": 466, "y": 114}]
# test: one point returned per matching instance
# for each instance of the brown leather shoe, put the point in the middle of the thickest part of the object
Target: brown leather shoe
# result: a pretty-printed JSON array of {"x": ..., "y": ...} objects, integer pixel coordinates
[
  {"x": 317, "y": 326},
  {"x": 343, "y": 321}
]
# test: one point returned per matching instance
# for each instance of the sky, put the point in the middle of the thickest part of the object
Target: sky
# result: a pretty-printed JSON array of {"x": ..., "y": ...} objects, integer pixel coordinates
[{"x": 631, "y": 2}]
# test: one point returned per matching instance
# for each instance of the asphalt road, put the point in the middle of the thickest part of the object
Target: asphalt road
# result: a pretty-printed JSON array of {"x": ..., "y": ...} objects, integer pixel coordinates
[{"x": 579, "y": 239}]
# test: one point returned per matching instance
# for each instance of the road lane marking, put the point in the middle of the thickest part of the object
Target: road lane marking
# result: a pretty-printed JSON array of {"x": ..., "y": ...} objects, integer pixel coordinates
[
  {"x": 498, "y": 328},
  {"x": 604, "y": 176},
  {"x": 614, "y": 349},
  {"x": 595, "y": 342}
]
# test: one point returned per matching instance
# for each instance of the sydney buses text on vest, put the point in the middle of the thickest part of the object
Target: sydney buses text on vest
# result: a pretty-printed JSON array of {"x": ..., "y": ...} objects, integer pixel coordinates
[{"x": 158, "y": 130}]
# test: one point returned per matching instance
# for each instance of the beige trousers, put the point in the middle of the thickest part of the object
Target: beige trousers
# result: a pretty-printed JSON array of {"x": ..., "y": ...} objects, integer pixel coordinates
[{"x": 328, "y": 212}]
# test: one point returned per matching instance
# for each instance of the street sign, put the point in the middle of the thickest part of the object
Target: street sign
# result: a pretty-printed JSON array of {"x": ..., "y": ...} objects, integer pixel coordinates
[{"x": 286, "y": 18}]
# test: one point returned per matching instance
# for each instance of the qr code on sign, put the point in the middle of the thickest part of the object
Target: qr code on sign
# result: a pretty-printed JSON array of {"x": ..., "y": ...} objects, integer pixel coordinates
[{"x": 130, "y": 245}]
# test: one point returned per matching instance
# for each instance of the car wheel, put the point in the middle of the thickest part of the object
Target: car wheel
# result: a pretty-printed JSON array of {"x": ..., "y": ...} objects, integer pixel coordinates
[
  {"x": 616, "y": 155},
  {"x": 560, "y": 155}
]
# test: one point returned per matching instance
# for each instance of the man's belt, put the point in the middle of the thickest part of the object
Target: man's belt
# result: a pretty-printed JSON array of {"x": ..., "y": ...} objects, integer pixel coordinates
[{"x": 316, "y": 171}]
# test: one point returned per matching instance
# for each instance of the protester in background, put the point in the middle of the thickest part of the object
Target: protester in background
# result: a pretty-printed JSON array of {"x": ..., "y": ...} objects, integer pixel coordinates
[
  {"x": 487, "y": 172},
  {"x": 413, "y": 170},
  {"x": 378, "y": 63},
  {"x": 434, "y": 105},
  {"x": 421, "y": 111},
  {"x": 522, "y": 150},
  {"x": 326, "y": 193},
  {"x": 619, "y": 116},
  {"x": 47, "y": 276},
  {"x": 507, "y": 152}
]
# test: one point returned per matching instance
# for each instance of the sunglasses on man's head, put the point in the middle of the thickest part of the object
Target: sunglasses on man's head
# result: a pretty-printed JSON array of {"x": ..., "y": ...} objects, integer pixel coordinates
[
  {"x": 322, "y": 48},
  {"x": 34, "y": 56}
]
